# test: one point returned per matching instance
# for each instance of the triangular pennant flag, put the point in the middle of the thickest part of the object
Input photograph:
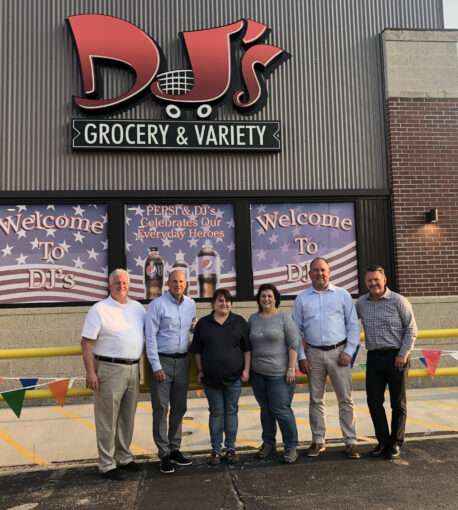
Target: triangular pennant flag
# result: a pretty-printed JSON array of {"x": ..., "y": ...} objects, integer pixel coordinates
[
  {"x": 72, "y": 381},
  {"x": 452, "y": 354},
  {"x": 59, "y": 390},
  {"x": 15, "y": 399},
  {"x": 423, "y": 361},
  {"x": 432, "y": 359},
  {"x": 28, "y": 381}
]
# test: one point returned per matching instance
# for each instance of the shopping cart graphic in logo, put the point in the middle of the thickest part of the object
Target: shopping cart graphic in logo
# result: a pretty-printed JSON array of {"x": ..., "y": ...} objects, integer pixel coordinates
[{"x": 178, "y": 83}]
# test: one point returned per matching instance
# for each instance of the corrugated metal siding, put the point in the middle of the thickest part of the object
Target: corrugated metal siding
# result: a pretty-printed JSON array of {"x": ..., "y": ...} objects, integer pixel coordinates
[{"x": 328, "y": 97}]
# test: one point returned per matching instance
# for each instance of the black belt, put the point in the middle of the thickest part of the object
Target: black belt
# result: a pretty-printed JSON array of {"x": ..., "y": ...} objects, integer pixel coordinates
[
  {"x": 116, "y": 360},
  {"x": 328, "y": 347},
  {"x": 174, "y": 355}
]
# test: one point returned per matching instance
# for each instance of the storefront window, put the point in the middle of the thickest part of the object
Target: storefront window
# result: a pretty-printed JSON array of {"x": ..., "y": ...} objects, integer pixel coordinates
[
  {"x": 53, "y": 253},
  {"x": 196, "y": 237},
  {"x": 285, "y": 238}
]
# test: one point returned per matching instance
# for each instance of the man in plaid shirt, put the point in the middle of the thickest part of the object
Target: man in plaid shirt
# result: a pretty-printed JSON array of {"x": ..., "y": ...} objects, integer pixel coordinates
[{"x": 390, "y": 329}]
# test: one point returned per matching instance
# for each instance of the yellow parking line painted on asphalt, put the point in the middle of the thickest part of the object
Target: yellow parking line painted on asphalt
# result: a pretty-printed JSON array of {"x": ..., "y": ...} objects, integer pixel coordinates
[
  {"x": 431, "y": 425},
  {"x": 31, "y": 456},
  {"x": 137, "y": 450}
]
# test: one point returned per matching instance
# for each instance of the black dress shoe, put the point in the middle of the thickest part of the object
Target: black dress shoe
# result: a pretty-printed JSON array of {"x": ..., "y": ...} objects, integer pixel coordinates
[
  {"x": 115, "y": 474},
  {"x": 378, "y": 451},
  {"x": 132, "y": 467},
  {"x": 393, "y": 452},
  {"x": 178, "y": 458}
]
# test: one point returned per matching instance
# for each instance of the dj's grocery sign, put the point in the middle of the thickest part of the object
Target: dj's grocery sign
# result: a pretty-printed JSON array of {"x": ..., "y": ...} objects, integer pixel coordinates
[{"x": 229, "y": 63}]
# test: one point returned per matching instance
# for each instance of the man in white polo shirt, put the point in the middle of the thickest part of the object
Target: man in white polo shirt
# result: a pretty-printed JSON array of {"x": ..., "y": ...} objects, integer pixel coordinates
[{"x": 112, "y": 344}]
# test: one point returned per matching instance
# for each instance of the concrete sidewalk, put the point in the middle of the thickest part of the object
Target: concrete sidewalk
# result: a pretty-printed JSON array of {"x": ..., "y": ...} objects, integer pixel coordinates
[{"x": 47, "y": 435}]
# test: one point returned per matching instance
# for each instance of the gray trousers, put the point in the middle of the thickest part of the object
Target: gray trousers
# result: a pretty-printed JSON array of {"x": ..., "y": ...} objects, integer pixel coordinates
[
  {"x": 323, "y": 364},
  {"x": 115, "y": 402},
  {"x": 172, "y": 392}
]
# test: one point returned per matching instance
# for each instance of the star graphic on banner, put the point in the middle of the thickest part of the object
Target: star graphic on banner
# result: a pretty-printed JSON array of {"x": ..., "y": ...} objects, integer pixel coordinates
[
  {"x": 128, "y": 220},
  {"x": 138, "y": 211},
  {"x": 261, "y": 209},
  {"x": 221, "y": 263},
  {"x": 219, "y": 214},
  {"x": 50, "y": 260},
  {"x": 274, "y": 263},
  {"x": 296, "y": 231},
  {"x": 7, "y": 250},
  {"x": 93, "y": 254},
  {"x": 52, "y": 207},
  {"x": 21, "y": 233},
  {"x": 139, "y": 261},
  {"x": 79, "y": 211},
  {"x": 284, "y": 247},
  {"x": 78, "y": 263},
  {"x": 179, "y": 255},
  {"x": 21, "y": 259},
  {"x": 206, "y": 228},
  {"x": 231, "y": 246},
  {"x": 104, "y": 245},
  {"x": 51, "y": 232},
  {"x": 193, "y": 268},
  {"x": 219, "y": 240},
  {"x": 21, "y": 208},
  {"x": 230, "y": 223},
  {"x": 35, "y": 244},
  {"x": 104, "y": 218},
  {"x": 95, "y": 206},
  {"x": 261, "y": 231},
  {"x": 167, "y": 243},
  {"x": 273, "y": 238},
  {"x": 105, "y": 269},
  {"x": 78, "y": 237},
  {"x": 261, "y": 255},
  {"x": 65, "y": 246},
  {"x": 128, "y": 245},
  {"x": 192, "y": 242}
]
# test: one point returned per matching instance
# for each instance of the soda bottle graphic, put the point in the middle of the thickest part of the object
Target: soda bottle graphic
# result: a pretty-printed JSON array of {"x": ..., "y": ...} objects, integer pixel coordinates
[
  {"x": 154, "y": 274},
  {"x": 207, "y": 270},
  {"x": 180, "y": 263}
]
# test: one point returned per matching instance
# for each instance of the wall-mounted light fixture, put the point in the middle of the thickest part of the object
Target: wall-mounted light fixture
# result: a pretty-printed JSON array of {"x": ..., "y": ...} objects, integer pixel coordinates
[{"x": 432, "y": 216}]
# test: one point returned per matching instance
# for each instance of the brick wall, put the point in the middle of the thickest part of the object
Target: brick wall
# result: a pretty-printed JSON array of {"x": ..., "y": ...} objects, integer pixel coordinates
[{"x": 423, "y": 154}]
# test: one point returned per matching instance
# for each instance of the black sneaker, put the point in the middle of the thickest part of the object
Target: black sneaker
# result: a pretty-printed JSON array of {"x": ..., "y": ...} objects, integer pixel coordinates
[
  {"x": 166, "y": 466},
  {"x": 131, "y": 466},
  {"x": 378, "y": 451},
  {"x": 178, "y": 458},
  {"x": 115, "y": 474}
]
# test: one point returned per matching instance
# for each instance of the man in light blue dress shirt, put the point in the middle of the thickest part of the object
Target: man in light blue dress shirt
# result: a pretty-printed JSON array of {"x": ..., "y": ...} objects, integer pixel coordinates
[
  {"x": 328, "y": 323},
  {"x": 168, "y": 323}
]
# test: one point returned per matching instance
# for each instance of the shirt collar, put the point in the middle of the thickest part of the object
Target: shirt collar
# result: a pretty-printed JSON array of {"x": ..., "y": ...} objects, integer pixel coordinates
[
  {"x": 113, "y": 301},
  {"x": 386, "y": 295},
  {"x": 170, "y": 297},
  {"x": 329, "y": 288}
]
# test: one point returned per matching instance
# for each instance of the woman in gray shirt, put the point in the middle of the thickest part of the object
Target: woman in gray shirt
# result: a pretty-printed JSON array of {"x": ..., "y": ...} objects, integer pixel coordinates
[{"x": 275, "y": 342}]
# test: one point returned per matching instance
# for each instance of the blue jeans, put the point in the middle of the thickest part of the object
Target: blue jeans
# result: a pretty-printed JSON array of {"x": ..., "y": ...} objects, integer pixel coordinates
[
  {"x": 274, "y": 396},
  {"x": 223, "y": 407}
]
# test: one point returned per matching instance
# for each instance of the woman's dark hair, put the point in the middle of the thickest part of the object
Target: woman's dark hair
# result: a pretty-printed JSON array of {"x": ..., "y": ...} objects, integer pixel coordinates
[
  {"x": 221, "y": 292},
  {"x": 268, "y": 286}
]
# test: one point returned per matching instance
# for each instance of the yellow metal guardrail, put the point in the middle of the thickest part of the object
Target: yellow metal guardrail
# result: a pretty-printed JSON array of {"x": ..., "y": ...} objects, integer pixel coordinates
[{"x": 46, "y": 352}]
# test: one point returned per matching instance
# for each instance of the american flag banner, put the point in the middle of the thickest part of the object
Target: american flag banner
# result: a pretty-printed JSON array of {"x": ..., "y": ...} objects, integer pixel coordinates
[
  {"x": 199, "y": 238},
  {"x": 285, "y": 238},
  {"x": 53, "y": 253}
]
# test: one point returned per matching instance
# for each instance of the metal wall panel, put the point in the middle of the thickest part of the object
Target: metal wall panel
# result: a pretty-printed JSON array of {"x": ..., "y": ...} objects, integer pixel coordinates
[{"x": 328, "y": 97}]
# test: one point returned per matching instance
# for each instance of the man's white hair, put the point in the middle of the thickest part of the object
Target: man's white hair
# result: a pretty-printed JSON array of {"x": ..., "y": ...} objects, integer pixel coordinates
[{"x": 117, "y": 272}]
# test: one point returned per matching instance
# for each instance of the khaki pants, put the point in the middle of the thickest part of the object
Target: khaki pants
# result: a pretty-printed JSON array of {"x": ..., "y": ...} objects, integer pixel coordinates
[
  {"x": 324, "y": 363},
  {"x": 115, "y": 403}
]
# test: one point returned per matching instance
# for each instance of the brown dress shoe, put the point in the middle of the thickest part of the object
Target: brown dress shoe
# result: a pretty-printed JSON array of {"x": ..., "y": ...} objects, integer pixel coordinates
[
  {"x": 215, "y": 459},
  {"x": 315, "y": 449},
  {"x": 231, "y": 457}
]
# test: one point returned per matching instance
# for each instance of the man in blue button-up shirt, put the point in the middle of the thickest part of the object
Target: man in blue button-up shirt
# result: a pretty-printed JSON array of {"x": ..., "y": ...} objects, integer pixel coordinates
[
  {"x": 328, "y": 323},
  {"x": 169, "y": 320}
]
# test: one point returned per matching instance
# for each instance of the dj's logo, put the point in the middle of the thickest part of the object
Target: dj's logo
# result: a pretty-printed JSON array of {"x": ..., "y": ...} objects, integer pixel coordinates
[{"x": 227, "y": 63}]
